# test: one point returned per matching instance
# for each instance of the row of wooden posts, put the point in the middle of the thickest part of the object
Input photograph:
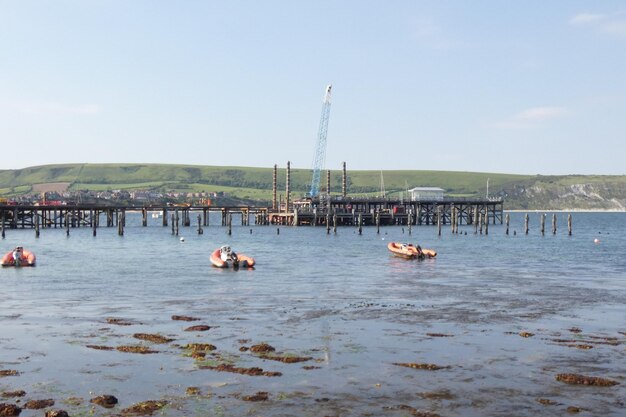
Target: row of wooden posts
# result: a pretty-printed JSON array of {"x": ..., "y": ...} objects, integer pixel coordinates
[{"x": 480, "y": 222}]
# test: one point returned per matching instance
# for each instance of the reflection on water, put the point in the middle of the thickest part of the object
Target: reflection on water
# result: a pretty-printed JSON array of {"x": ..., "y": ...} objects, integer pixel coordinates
[{"x": 341, "y": 300}]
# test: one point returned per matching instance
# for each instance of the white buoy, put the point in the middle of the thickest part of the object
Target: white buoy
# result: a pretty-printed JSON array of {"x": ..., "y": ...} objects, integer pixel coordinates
[
  {"x": 596, "y": 241},
  {"x": 182, "y": 239}
]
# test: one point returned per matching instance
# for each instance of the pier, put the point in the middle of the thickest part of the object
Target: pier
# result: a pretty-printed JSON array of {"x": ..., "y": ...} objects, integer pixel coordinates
[
  {"x": 340, "y": 211},
  {"x": 326, "y": 209},
  {"x": 346, "y": 211},
  {"x": 90, "y": 215}
]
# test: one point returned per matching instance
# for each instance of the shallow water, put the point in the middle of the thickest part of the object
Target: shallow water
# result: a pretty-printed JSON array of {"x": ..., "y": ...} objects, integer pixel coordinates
[{"x": 340, "y": 299}]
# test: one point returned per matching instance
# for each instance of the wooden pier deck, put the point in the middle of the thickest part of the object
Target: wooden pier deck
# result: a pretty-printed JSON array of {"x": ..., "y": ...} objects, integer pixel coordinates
[{"x": 325, "y": 211}]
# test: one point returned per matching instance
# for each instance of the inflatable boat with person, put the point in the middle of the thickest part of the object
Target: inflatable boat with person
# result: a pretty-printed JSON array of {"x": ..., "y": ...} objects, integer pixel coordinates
[
  {"x": 225, "y": 257},
  {"x": 18, "y": 257},
  {"x": 410, "y": 251}
]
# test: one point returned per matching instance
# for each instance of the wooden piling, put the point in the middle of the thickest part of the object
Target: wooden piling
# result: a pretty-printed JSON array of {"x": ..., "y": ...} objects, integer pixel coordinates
[
  {"x": 200, "y": 231},
  {"x": 554, "y": 223},
  {"x": 176, "y": 221},
  {"x": 486, "y": 222},
  {"x": 335, "y": 223},
  {"x": 543, "y": 223},
  {"x": 94, "y": 226},
  {"x": 360, "y": 223},
  {"x": 36, "y": 219},
  {"x": 230, "y": 224},
  {"x": 3, "y": 218},
  {"x": 144, "y": 217},
  {"x": 480, "y": 223},
  {"x": 164, "y": 217},
  {"x": 526, "y": 223},
  {"x": 327, "y": 223},
  {"x": 507, "y": 223},
  {"x": 569, "y": 224},
  {"x": 409, "y": 220},
  {"x": 377, "y": 222},
  {"x": 439, "y": 220},
  {"x": 67, "y": 224},
  {"x": 173, "y": 226},
  {"x": 452, "y": 219},
  {"x": 121, "y": 221},
  {"x": 476, "y": 220}
]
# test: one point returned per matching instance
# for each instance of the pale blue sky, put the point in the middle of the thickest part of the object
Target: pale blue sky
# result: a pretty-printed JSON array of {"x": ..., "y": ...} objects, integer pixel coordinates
[{"x": 532, "y": 87}]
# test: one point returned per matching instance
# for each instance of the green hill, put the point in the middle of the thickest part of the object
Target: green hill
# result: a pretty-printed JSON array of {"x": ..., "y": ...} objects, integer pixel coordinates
[{"x": 519, "y": 191}]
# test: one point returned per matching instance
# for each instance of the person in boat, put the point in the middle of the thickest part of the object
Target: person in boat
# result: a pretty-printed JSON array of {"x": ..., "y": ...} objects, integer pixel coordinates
[
  {"x": 418, "y": 249},
  {"x": 420, "y": 253},
  {"x": 226, "y": 254},
  {"x": 17, "y": 255}
]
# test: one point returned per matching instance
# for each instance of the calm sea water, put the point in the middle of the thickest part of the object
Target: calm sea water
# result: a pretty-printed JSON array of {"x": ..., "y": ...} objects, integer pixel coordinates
[{"x": 340, "y": 299}]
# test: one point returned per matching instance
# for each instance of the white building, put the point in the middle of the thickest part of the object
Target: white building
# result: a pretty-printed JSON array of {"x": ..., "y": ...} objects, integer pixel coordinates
[{"x": 426, "y": 193}]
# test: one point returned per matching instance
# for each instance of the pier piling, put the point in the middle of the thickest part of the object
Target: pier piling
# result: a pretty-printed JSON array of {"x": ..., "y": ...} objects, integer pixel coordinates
[
  {"x": 377, "y": 222},
  {"x": 121, "y": 220},
  {"x": 569, "y": 224},
  {"x": 476, "y": 221},
  {"x": 554, "y": 223},
  {"x": 486, "y": 223},
  {"x": 507, "y": 219},
  {"x": 526, "y": 223},
  {"x": 542, "y": 220},
  {"x": 439, "y": 220}
]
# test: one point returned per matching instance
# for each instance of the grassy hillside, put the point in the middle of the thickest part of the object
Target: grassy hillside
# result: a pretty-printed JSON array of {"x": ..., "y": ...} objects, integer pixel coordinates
[
  {"x": 520, "y": 191},
  {"x": 209, "y": 178}
]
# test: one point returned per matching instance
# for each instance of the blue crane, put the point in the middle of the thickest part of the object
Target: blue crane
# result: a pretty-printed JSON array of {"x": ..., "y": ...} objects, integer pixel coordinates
[{"x": 320, "y": 147}]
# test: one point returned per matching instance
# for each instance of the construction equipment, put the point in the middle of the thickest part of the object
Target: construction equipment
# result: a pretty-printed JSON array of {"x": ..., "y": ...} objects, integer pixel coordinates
[{"x": 320, "y": 147}]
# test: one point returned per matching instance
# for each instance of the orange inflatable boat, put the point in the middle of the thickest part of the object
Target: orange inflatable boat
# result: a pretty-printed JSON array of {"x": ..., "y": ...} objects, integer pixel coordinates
[
  {"x": 409, "y": 251},
  {"x": 18, "y": 257},
  {"x": 224, "y": 257}
]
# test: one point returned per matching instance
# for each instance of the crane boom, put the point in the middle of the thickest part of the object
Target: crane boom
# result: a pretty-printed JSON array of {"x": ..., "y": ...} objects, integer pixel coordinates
[{"x": 320, "y": 147}]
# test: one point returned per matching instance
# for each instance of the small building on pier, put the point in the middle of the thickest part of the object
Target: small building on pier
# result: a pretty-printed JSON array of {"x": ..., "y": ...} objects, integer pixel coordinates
[{"x": 426, "y": 194}]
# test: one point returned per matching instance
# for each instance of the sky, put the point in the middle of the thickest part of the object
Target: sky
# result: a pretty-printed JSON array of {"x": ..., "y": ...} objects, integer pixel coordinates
[{"x": 530, "y": 87}]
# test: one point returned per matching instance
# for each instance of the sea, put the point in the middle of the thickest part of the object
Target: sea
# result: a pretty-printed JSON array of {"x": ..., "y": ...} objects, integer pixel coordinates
[{"x": 489, "y": 327}]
